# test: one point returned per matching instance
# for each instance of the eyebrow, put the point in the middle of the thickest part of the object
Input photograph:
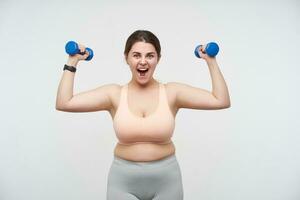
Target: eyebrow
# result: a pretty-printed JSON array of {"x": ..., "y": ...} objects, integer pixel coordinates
[{"x": 147, "y": 53}]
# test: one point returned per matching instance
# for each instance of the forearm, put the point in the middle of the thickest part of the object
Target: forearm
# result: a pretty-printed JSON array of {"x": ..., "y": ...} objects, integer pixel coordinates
[
  {"x": 219, "y": 87},
  {"x": 66, "y": 85}
]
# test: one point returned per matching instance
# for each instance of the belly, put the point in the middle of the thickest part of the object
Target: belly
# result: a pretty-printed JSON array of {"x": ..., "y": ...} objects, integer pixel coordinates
[{"x": 144, "y": 152}]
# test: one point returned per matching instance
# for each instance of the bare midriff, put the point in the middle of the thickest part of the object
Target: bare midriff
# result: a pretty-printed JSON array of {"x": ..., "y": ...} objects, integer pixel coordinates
[{"x": 144, "y": 152}]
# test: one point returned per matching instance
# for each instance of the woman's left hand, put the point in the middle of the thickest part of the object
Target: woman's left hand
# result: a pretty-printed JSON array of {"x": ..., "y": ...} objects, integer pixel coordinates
[{"x": 203, "y": 54}]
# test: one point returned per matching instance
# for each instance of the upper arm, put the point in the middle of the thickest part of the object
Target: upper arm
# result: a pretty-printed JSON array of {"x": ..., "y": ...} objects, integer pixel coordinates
[
  {"x": 92, "y": 100},
  {"x": 195, "y": 98}
]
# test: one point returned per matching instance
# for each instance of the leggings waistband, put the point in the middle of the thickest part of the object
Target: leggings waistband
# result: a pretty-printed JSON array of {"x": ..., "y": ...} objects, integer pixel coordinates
[{"x": 156, "y": 163}]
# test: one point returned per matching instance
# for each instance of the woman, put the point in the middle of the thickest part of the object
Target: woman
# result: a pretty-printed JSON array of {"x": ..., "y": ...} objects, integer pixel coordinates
[{"x": 143, "y": 113}]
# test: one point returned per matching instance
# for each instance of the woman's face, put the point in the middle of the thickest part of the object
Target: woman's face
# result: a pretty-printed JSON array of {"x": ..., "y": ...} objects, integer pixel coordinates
[{"x": 142, "y": 55}]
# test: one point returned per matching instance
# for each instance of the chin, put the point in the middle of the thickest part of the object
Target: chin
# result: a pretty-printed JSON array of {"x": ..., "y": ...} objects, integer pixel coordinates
[{"x": 143, "y": 81}]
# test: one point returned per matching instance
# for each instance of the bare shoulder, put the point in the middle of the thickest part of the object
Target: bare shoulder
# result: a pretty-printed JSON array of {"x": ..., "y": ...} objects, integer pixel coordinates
[
  {"x": 177, "y": 87},
  {"x": 113, "y": 90},
  {"x": 113, "y": 87},
  {"x": 114, "y": 93},
  {"x": 173, "y": 87}
]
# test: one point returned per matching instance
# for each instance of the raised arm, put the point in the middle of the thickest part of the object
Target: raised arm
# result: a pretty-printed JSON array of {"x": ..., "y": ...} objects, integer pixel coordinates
[
  {"x": 197, "y": 98},
  {"x": 93, "y": 100}
]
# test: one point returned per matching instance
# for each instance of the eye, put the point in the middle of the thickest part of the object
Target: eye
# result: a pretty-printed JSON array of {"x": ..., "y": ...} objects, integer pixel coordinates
[
  {"x": 136, "y": 55},
  {"x": 150, "y": 56}
]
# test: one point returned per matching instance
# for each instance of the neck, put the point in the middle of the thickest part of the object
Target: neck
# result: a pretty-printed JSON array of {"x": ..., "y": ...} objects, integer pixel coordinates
[{"x": 133, "y": 83}]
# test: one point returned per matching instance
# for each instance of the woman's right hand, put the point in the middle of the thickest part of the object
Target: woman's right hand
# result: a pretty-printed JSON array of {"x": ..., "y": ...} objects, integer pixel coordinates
[{"x": 74, "y": 59}]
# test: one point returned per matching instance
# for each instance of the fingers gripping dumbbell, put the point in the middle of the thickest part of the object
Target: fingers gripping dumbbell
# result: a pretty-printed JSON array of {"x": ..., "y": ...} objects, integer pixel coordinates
[
  {"x": 72, "y": 48},
  {"x": 211, "y": 49}
]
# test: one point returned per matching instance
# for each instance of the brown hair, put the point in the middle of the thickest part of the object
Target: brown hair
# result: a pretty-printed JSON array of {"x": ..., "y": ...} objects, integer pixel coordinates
[{"x": 142, "y": 36}]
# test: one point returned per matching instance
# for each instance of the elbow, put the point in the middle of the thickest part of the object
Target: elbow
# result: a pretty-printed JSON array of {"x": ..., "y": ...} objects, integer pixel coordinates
[
  {"x": 222, "y": 103},
  {"x": 226, "y": 105},
  {"x": 59, "y": 107}
]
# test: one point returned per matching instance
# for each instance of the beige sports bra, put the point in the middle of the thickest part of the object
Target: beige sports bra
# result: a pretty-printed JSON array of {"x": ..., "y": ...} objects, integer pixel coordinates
[{"x": 156, "y": 128}]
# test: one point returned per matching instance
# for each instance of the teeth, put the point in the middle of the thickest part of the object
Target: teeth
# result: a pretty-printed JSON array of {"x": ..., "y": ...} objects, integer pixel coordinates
[{"x": 143, "y": 69}]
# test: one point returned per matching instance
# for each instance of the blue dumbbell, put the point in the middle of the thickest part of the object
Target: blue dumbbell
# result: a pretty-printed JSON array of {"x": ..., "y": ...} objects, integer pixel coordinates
[
  {"x": 211, "y": 49},
  {"x": 72, "y": 48}
]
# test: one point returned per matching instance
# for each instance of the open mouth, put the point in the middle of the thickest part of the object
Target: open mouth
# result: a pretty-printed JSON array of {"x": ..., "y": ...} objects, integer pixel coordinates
[{"x": 142, "y": 72}]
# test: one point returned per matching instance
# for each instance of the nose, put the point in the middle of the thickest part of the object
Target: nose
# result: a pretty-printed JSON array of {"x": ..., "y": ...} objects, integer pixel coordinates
[{"x": 143, "y": 61}]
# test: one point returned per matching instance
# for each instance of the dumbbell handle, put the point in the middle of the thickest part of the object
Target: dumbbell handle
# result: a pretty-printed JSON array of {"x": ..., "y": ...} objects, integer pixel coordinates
[
  {"x": 211, "y": 49},
  {"x": 72, "y": 48}
]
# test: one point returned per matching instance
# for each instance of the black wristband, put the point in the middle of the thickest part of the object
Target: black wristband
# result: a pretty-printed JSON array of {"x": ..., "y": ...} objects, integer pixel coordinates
[{"x": 70, "y": 68}]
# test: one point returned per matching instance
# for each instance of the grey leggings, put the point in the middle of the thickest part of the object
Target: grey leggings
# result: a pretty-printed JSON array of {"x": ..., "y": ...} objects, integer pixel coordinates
[{"x": 154, "y": 180}]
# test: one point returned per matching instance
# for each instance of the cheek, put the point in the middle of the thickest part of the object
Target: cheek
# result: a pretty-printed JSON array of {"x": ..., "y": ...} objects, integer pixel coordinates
[
  {"x": 152, "y": 62},
  {"x": 132, "y": 62}
]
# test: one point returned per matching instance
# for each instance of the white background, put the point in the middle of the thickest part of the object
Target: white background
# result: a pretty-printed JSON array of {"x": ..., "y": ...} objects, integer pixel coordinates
[{"x": 249, "y": 151}]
